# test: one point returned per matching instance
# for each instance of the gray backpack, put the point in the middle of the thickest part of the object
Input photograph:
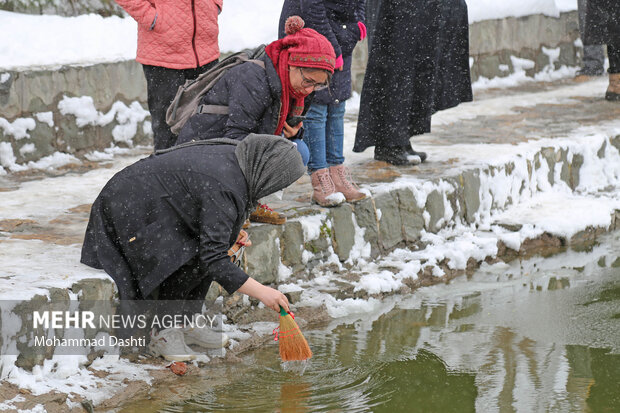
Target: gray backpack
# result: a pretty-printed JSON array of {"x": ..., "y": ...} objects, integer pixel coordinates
[{"x": 187, "y": 100}]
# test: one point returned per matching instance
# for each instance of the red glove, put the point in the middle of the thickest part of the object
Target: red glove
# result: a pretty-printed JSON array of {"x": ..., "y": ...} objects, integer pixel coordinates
[
  {"x": 363, "y": 30},
  {"x": 339, "y": 62}
]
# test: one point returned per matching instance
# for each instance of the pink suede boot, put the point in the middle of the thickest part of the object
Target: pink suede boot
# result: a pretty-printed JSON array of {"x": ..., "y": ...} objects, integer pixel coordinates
[
  {"x": 324, "y": 193},
  {"x": 342, "y": 181}
]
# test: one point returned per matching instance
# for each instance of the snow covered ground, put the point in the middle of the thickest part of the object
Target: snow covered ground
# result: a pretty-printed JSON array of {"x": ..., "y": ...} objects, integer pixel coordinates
[{"x": 52, "y": 41}]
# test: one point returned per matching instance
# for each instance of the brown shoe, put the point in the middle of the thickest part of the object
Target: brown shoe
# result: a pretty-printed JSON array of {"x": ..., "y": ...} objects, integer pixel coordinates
[
  {"x": 341, "y": 176},
  {"x": 266, "y": 215},
  {"x": 324, "y": 192},
  {"x": 613, "y": 90}
]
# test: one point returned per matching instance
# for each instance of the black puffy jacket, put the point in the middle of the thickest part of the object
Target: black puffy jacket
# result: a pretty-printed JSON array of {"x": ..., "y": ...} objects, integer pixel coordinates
[
  {"x": 253, "y": 96},
  {"x": 336, "y": 20}
]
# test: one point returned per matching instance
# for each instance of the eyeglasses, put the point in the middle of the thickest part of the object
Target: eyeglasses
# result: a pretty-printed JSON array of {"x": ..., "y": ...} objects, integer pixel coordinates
[{"x": 305, "y": 82}]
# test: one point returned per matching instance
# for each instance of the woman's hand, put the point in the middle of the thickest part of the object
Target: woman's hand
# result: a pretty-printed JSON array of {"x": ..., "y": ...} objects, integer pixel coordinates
[
  {"x": 267, "y": 295},
  {"x": 273, "y": 299},
  {"x": 291, "y": 131}
]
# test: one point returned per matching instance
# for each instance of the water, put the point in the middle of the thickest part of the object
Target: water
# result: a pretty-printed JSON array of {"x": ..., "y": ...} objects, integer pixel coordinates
[{"x": 534, "y": 336}]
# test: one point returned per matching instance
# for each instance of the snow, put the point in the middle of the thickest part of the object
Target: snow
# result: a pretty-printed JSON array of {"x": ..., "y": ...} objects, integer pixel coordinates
[
  {"x": 85, "y": 113},
  {"x": 18, "y": 128},
  {"x": 27, "y": 148},
  {"x": 52, "y": 40},
  {"x": 55, "y": 41},
  {"x": 311, "y": 226},
  {"x": 66, "y": 374},
  {"x": 336, "y": 197},
  {"x": 45, "y": 117}
]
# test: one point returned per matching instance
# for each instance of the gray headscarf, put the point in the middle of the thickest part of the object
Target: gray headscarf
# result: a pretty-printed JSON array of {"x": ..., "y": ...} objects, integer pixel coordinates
[{"x": 269, "y": 163}]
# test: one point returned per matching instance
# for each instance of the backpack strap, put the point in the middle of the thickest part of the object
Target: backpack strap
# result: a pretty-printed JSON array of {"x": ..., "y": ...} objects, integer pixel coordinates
[
  {"x": 221, "y": 109},
  {"x": 215, "y": 141},
  {"x": 214, "y": 109}
]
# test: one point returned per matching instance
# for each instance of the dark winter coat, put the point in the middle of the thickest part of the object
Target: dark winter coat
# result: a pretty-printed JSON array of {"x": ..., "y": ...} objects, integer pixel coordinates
[
  {"x": 163, "y": 211},
  {"x": 602, "y": 22},
  {"x": 418, "y": 64},
  {"x": 336, "y": 20},
  {"x": 253, "y": 95}
]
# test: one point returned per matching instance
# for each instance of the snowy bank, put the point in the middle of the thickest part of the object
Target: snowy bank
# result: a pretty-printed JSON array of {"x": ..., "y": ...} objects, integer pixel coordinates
[{"x": 52, "y": 40}]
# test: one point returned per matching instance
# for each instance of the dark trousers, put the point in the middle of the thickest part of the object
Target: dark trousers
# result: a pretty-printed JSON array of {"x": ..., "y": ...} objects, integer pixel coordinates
[
  {"x": 613, "y": 52},
  {"x": 593, "y": 55},
  {"x": 162, "y": 85},
  {"x": 184, "y": 291}
]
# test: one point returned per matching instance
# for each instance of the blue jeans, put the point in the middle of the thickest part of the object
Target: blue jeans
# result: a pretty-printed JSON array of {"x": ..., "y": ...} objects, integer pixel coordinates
[
  {"x": 302, "y": 148},
  {"x": 324, "y": 135}
]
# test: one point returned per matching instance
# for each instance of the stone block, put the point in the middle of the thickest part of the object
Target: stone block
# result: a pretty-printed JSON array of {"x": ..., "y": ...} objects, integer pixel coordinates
[
  {"x": 94, "y": 289},
  {"x": 292, "y": 243},
  {"x": 456, "y": 198},
  {"x": 262, "y": 259},
  {"x": 43, "y": 138},
  {"x": 541, "y": 61},
  {"x": 615, "y": 141},
  {"x": 436, "y": 208},
  {"x": 575, "y": 167},
  {"x": 488, "y": 66},
  {"x": 568, "y": 55},
  {"x": 343, "y": 231},
  {"x": 410, "y": 215},
  {"x": 471, "y": 194},
  {"x": 390, "y": 223},
  {"x": 548, "y": 154},
  {"x": 366, "y": 218},
  {"x": 565, "y": 172}
]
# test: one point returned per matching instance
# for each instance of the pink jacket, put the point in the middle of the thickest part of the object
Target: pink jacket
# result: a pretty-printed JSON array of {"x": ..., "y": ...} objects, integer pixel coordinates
[{"x": 177, "y": 34}]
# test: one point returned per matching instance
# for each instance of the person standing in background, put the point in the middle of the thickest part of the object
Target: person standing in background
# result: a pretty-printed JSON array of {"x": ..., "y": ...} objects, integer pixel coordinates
[
  {"x": 593, "y": 55},
  {"x": 418, "y": 64},
  {"x": 342, "y": 23},
  {"x": 603, "y": 27},
  {"x": 177, "y": 41}
]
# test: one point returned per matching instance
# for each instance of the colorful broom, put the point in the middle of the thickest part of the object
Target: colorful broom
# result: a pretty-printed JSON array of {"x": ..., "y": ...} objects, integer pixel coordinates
[{"x": 293, "y": 345}]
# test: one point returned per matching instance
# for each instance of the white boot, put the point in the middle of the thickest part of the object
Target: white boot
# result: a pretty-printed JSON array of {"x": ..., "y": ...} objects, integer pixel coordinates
[
  {"x": 205, "y": 337},
  {"x": 170, "y": 344}
]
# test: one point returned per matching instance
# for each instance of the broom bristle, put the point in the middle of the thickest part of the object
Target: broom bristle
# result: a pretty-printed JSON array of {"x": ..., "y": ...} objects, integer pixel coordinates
[{"x": 293, "y": 345}]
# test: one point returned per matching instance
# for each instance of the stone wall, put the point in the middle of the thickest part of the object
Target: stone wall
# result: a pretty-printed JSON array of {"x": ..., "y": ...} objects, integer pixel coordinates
[
  {"x": 395, "y": 218},
  {"x": 62, "y": 7},
  {"x": 493, "y": 42},
  {"x": 31, "y": 113},
  {"x": 34, "y": 126}
]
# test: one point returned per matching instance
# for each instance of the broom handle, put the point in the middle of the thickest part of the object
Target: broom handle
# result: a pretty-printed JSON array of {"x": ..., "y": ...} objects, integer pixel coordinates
[{"x": 283, "y": 312}]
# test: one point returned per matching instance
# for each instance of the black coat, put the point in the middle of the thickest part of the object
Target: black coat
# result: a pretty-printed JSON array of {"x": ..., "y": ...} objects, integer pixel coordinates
[
  {"x": 418, "y": 64},
  {"x": 156, "y": 215},
  {"x": 253, "y": 95},
  {"x": 336, "y": 20},
  {"x": 602, "y": 22}
]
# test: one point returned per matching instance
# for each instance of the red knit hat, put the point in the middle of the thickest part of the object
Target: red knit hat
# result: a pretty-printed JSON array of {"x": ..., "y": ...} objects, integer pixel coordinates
[{"x": 306, "y": 47}]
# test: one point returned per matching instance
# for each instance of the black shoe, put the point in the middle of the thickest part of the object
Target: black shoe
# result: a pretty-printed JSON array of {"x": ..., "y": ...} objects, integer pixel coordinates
[
  {"x": 612, "y": 97},
  {"x": 394, "y": 155},
  {"x": 410, "y": 151},
  {"x": 590, "y": 72}
]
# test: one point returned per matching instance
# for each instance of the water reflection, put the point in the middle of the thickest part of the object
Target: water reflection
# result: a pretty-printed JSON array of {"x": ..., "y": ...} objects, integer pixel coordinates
[{"x": 488, "y": 345}]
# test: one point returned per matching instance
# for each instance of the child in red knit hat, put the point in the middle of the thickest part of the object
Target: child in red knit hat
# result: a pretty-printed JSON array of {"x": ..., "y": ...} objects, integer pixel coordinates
[{"x": 250, "y": 98}]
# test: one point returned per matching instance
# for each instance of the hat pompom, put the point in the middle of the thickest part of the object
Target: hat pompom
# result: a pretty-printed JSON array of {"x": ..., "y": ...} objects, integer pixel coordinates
[{"x": 293, "y": 25}]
